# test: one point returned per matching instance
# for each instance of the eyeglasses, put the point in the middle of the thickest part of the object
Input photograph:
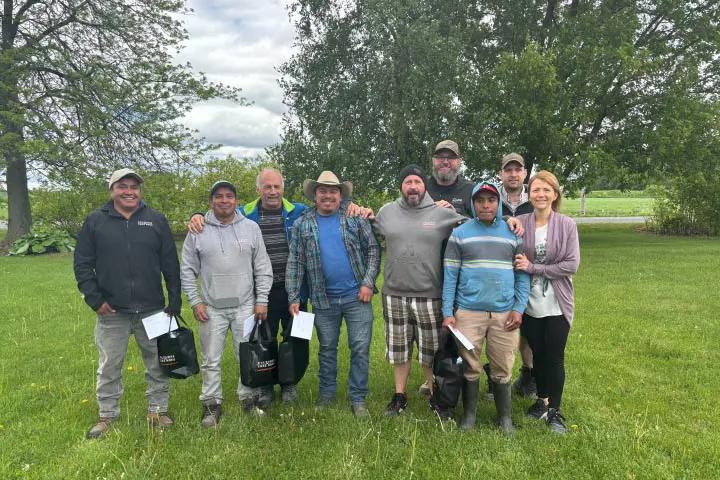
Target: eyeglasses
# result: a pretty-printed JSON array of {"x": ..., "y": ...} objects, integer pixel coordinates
[{"x": 444, "y": 159}]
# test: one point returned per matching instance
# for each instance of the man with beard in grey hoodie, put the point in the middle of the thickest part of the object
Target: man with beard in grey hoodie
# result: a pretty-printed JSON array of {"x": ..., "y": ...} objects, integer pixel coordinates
[
  {"x": 235, "y": 280},
  {"x": 415, "y": 230}
]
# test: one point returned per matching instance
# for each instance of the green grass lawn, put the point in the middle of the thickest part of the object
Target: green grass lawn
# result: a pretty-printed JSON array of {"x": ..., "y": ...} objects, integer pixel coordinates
[
  {"x": 641, "y": 394},
  {"x": 609, "y": 207}
]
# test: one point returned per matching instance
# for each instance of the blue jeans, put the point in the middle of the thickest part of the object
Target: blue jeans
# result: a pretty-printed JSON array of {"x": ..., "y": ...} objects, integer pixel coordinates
[{"x": 359, "y": 320}]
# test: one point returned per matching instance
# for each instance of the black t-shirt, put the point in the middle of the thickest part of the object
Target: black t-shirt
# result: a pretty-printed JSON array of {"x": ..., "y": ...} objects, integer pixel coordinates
[{"x": 458, "y": 194}]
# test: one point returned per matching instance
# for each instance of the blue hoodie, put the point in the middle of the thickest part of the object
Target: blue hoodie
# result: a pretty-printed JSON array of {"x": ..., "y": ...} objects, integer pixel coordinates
[{"x": 478, "y": 267}]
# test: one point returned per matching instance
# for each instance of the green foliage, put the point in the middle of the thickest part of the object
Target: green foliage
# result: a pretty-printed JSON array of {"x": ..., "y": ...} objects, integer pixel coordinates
[
  {"x": 43, "y": 240},
  {"x": 587, "y": 90},
  {"x": 176, "y": 194},
  {"x": 689, "y": 207},
  {"x": 88, "y": 86}
]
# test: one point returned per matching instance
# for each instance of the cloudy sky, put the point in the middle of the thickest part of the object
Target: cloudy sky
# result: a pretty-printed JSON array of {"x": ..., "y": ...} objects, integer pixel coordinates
[{"x": 240, "y": 43}]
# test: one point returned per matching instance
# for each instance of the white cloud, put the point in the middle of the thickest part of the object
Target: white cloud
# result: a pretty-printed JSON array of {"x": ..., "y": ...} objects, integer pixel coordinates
[{"x": 239, "y": 43}]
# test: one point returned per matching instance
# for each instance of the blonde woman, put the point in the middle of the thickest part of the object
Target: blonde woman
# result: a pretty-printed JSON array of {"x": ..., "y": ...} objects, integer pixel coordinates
[{"x": 552, "y": 256}]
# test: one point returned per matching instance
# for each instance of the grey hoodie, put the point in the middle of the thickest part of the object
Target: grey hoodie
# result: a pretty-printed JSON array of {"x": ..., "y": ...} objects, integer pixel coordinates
[
  {"x": 232, "y": 263},
  {"x": 415, "y": 237}
]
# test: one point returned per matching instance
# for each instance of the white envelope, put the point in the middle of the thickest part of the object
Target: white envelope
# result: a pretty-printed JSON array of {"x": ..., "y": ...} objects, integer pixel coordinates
[
  {"x": 302, "y": 325},
  {"x": 156, "y": 325},
  {"x": 248, "y": 325}
]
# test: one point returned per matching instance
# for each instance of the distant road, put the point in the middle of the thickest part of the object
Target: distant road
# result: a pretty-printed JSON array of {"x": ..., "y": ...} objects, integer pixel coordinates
[
  {"x": 609, "y": 219},
  {"x": 3, "y": 225}
]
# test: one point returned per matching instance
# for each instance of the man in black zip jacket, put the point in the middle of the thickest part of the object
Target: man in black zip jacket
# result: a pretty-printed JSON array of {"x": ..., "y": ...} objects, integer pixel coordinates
[{"x": 122, "y": 250}]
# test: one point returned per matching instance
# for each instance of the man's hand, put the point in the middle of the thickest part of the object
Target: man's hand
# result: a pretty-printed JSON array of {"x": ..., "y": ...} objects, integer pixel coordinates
[
  {"x": 513, "y": 321},
  {"x": 261, "y": 312},
  {"x": 444, "y": 204},
  {"x": 355, "y": 210},
  {"x": 294, "y": 309},
  {"x": 521, "y": 262},
  {"x": 200, "y": 312},
  {"x": 105, "y": 309},
  {"x": 365, "y": 294},
  {"x": 197, "y": 223},
  {"x": 448, "y": 322},
  {"x": 516, "y": 226}
]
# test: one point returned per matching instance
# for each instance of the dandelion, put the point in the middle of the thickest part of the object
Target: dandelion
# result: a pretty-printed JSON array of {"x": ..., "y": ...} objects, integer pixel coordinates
[
  {"x": 2, "y": 427},
  {"x": 33, "y": 385},
  {"x": 131, "y": 368},
  {"x": 84, "y": 401},
  {"x": 573, "y": 425}
]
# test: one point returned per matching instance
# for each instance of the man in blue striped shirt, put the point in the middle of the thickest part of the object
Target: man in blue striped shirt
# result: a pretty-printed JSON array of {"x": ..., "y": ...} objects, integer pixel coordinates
[{"x": 484, "y": 298}]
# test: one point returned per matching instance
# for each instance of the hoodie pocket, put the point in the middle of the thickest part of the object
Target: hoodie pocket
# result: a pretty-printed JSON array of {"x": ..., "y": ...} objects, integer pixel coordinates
[{"x": 230, "y": 290}]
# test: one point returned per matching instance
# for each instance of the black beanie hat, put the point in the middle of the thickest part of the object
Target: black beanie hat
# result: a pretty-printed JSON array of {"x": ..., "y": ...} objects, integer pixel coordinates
[{"x": 412, "y": 169}]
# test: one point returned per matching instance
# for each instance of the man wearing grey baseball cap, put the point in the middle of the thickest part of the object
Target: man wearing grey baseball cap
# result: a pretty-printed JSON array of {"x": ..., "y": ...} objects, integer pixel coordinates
[
  {"x": 446, "y": 187},
  {"x": 123, "y": 252}
]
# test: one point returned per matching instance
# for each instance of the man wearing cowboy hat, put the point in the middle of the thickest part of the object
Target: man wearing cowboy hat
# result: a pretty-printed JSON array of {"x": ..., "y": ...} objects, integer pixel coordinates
[{"x": 340, "y": 257}]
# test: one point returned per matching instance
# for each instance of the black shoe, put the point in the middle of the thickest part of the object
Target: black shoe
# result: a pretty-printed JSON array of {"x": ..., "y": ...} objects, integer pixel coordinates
[
  {"x": 555, "y": 421},
  {"x": 538, "y": 410},
  {"x": 525, "y": 384},
  {"x": 397, "y": 405},
  {"x": 211, "y": 415},
  {"x": 443, "y": 413}
]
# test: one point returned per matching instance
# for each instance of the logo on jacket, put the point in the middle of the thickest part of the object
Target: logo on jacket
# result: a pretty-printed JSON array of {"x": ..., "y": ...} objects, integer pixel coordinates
[
  {"x": 428, "y": 224},
  {"x": 144, "y": 224}
]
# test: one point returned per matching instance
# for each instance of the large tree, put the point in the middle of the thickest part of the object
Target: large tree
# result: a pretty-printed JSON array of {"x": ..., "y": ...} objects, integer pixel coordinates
[
  {"x": 579, "y": 87},
  {"x": 90, "y": 85}
]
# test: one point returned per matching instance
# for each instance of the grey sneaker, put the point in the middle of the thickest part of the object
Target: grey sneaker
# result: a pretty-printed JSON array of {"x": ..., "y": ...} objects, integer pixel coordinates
[
  {"x": 555, "y": 421},
  {"x": 425, "y": 389},
  {"x": 324, "y": 402},
  {"x": 289, "y": 393},
  {"x": 266, "y": 397},
  {"x": 101, "y": 427},
  {"x": 360, "y": 410},
  {"x": 211, "y": 415},
  {"x": 537, "y": 410}
]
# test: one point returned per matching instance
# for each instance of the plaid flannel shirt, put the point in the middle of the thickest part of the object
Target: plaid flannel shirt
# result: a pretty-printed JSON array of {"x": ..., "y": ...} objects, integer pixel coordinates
[{"x": 304, "y": 259}]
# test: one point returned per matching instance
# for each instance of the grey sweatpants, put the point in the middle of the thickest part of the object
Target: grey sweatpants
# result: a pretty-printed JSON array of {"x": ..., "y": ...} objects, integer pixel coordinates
[
  {"x": 213, "y": 335},
  {"x": 112, "y": 334}
]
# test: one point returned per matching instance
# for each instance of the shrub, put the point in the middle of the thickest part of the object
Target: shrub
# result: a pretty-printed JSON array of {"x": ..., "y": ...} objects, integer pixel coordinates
[
  {"x": 689, "y": 206},
  {"x": 43, "y": 240}
]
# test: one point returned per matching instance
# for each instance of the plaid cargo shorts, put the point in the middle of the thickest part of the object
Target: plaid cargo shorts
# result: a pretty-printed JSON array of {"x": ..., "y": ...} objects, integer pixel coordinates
[{"x": 409, "y": 319}]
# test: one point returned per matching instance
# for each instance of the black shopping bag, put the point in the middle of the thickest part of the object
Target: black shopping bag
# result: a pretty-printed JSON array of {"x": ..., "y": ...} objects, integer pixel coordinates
[
  {"x": 177, "y": 353},
  {"x": 293, "y": 358},
  {"x": 259, "y": 357},
  {"x": 448, "y": 371}
]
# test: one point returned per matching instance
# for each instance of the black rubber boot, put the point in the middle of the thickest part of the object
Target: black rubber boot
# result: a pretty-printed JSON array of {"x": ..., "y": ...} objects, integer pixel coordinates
[
  {"x": 525, "y": 384},
  {"x": 470, "y": 392},
  {"x": 503, "y": 407}
]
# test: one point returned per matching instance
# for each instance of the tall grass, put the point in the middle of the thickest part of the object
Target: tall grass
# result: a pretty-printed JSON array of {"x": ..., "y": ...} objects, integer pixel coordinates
[{"x": 640, "y": 400}]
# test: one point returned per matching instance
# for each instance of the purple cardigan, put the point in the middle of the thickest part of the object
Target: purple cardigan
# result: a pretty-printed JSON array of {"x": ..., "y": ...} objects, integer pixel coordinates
[{"x": 562, "y": 260}]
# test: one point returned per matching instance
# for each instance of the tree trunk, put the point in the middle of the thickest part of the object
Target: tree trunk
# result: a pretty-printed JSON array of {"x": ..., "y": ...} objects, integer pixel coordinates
[{"x": 19, "y": 216}]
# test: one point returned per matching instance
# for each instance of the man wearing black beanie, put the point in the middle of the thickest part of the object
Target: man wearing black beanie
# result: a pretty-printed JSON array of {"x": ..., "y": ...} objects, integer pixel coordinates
[{"x": 415, "y": 229}]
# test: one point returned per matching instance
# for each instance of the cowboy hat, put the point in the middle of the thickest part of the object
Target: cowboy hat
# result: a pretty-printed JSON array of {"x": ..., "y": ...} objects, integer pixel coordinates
[{"x": 329, "y": 179}]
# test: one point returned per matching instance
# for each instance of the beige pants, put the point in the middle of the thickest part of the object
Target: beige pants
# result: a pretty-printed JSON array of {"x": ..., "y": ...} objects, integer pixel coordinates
[{"x": 501, "y": 344}]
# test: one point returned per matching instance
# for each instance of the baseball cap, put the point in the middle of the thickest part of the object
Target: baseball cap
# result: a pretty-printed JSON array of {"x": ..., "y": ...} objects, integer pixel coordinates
[
  {"x": 447, "y": 144},
  {"x": 512, "y": 157},
  {"x": 221, "y": 184},
  {"x": 118, "y": 175},
  {"x": 487, "y": 187}
]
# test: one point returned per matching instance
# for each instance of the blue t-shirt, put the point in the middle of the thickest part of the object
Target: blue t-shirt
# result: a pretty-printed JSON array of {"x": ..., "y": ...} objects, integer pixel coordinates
[{"x": 334, "y": 258}]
